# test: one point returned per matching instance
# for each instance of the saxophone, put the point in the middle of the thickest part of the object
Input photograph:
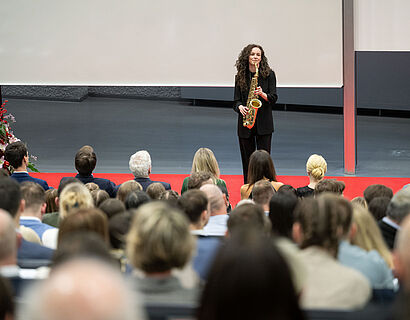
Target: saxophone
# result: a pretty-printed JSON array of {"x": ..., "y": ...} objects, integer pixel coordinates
[{"x": 253, "y": 102}]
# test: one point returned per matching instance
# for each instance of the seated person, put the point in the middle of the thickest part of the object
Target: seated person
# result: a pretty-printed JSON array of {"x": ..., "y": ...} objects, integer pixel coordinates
[
  {"x": 317, "y": 230},
  {"x": 85, "y": 162},
  {"x": 316, "y": 168},
  {"x": 329, "y": 185},
  {"x": 218, "y": 207},
  {"x": 16, "y": 154}
]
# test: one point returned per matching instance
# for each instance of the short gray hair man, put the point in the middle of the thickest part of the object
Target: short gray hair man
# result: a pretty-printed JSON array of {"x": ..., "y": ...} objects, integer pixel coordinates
[
  {"x": 399, "y": 206},
  {"x": 82, "y": 289},
  {"x": 140, "y": 164}
]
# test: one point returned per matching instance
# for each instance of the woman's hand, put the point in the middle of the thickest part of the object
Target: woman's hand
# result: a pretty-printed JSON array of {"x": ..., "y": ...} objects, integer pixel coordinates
[
  {"x": 243, "y": 110},
  {"x": 258, "y": 91}
]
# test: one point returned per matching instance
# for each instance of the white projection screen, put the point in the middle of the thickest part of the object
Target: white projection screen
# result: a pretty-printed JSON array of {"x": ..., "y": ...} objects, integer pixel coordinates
[{"x": 162, "y": 42}]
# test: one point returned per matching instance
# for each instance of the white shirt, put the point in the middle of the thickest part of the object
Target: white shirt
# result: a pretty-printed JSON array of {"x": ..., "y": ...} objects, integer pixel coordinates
[{"x": 217, "y": 225}]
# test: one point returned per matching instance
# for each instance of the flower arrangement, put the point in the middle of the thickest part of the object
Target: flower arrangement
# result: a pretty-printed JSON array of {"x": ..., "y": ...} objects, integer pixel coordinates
[{"x": 7, "y": 136}]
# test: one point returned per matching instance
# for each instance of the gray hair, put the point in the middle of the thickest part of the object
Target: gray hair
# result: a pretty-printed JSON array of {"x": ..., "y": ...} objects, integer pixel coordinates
[
  {"x": 140, "y": 164},
  {"x": 8, "y": 242},
  {"x": 215, "y": 197},
  {"x": 82, "y": 289},
  {"x": 399, "y": 206}
]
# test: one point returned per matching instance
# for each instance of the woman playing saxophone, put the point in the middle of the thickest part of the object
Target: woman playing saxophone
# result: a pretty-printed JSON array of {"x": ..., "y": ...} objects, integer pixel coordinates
[{"x": 259, "y": 136}]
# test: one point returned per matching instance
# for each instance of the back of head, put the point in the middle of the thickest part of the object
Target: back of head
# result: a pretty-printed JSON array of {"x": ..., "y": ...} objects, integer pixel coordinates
[
  {"x": 248, "y": 216},
  {"x": 261, "y": 166},
  {"x": 287, "y": 188},
  {"x": 262, "y": 192},
  {"x": 92, "y": 186},
  {"x": 316, "y": 166},
  {"x": 215, "y": 198},
  {"x": 193, "y": 203},
  {"x": 198, "y": 179},
  {"x": 323, "y": 221},
  {"x": 64, "y": 183},
  {"x": 7, "y": 300},
  {"x": 74, "y": 196},
  {"x": 50, "y": 197},
  {"x": 399, "y": 206},
  {"x": 140, "y": 164},
  {"x": 10, "y": 195},
  {"x": 82, "y": 289},
  {"x": 15, "y": 153},
  {"x": 33, "y": 195},
  {"x": 87, "y": 220},
  {"x": 330, "y": 185},
  {"x": 159, "y": 239},
  {"x": 118, "y": 227},
  {"x": 249, "y": 279},
  {"x": 99, "y": 196},
  {"x": 368, "y": 235},
  {"x": 8, "y": 240},
  {"x": 111, "y": 207},
  {"x": 359, "y": 201},
  {"x": 85, "y": 161},
  {"x": 204, "y": 160},
  {"x": 127, "y": 187},
  {"x": 378, "y": 207},
  {"x": 281, "y": 213},
  {"x": 377, "y": 190},
  {"x": 155, "y": 190},
  {"x": 170, "y": 196},
  {"x": 136, "y": 199}
]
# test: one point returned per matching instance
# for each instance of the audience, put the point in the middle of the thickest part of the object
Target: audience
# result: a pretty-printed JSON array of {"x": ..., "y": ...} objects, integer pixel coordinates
[
  {"x": 398, "y": 209},
  {"x": 198, "y": 179},
  {"x": 126, "y": 188},
  {"x": 6, "y": 300},
  {"x": 316, "y": 168},
  {"x": 99, "y": 196},
  {"x": 140, "y": 166},
  {"x": 260, "y": 167},
  {"x": 281, "y": 216},
  {"x": 50, "y": 198},
  {"x": 359, "y": 201},
  {"x": 8, "y": 242},
  {"x": 111, "y": 207},
  {"x": 91, "y": 186},
  {"x": 158, "y": 241},
  {"x": 155, "y": 190},
  {"x": 216, "y": 225},
  {"x": 262, "y": 192},
  {"x": 16, "y": 154},
  {"x": 378, "y": 207},
  {"x": 377, "y": 190},
  {"x": 317, "y": 230},
  {"x": 136, "y": 199},
  {"x": 75, "y": 196},
  {"x": 329, "y": 185}
]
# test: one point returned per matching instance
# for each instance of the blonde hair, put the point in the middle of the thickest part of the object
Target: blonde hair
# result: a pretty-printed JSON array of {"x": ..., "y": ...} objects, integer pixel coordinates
[
  {"x": 204, "y": 160},
  {"x": 316, "y": 166},
  {"x": 73, "y": 197},
  {"x": 368, "y": 235},
  {"x": 159, "y": 238},
  {"x": 126, "y": 188}
]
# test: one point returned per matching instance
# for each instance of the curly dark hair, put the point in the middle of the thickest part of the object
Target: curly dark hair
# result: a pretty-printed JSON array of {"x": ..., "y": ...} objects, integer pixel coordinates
[{"x": 242, "y": 66}]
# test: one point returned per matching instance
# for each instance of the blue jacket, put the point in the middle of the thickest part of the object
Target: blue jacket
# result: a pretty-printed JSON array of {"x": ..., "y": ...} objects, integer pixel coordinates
[{"x": 24, "y": 176}]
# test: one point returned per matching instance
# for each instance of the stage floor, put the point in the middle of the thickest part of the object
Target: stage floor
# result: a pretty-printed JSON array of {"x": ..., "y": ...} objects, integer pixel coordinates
[{"x": 172, "y": 131}]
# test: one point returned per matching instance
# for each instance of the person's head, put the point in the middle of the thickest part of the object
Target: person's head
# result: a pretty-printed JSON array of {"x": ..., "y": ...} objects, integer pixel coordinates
[
  {"x": 126, "y": 188},
  {"x": 75, "y": 196},
  {"x": 399, "y": 206},
  {"x": 216, "y": 199},
  {"x": 87, "y": 220},
  {"x": 159, "y": 239},
  {"x": 34, "y": 197},
  {"x": 402, "y": 255},
  {"x": 111, "y": 207},
  {"x": 262, "y": 192},
  {"x": 155, "y": 189},
  {"x": 136, "y": 199},
  {"x": 359, "y": 201},
  {"x": 287, "y": 188},
  {"x": 50, "y": 197},
  {"x": 7, "y": 300},
  {"x": 204, "y": 160},
  {"x": 8, "y": 240},
  {"x": 249, "y": 279},
  {"x": 378, "y": 207},
  {"x": 248, "y": 216},
  {"x": 194, "y": 203},
  {"x": 85, "y": 161},
  {"x": 316, "y": 167},
  {"x": 92, "y": 186},
  {"x": 118, "y": 227},
  {"x": 329, "y": 185},
  {"x": 170, "y": 196},
  {"x": 82, "y": 289},
  {"x": 261, "y": 166},
  {"x": 198, "y": 179},
  {"x": 99, "y": 196},
  {"x": 16, "y": 154},
  {"x": 377, "y": 190},
  {"x": 322, "y": 221},
  {"x": 11, "y": 199},
  {"x": 64, "y": 183},
  {"x": 281, "y": 213},
  {"x": 82, "y": 244},
  {"x": 140, "y": 164},
  {"x": 367, "y": 234},
  {"x": 250, "y": 54}
]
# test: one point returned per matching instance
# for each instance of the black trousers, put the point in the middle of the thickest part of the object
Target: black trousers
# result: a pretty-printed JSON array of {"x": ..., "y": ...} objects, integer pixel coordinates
[{"x": 249, "y": 145}]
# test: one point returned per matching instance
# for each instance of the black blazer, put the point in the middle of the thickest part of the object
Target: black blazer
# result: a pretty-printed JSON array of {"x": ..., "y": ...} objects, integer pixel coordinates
[
  {"x": 388, "y": 233},
  {"x": 264, "y": 117}
]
